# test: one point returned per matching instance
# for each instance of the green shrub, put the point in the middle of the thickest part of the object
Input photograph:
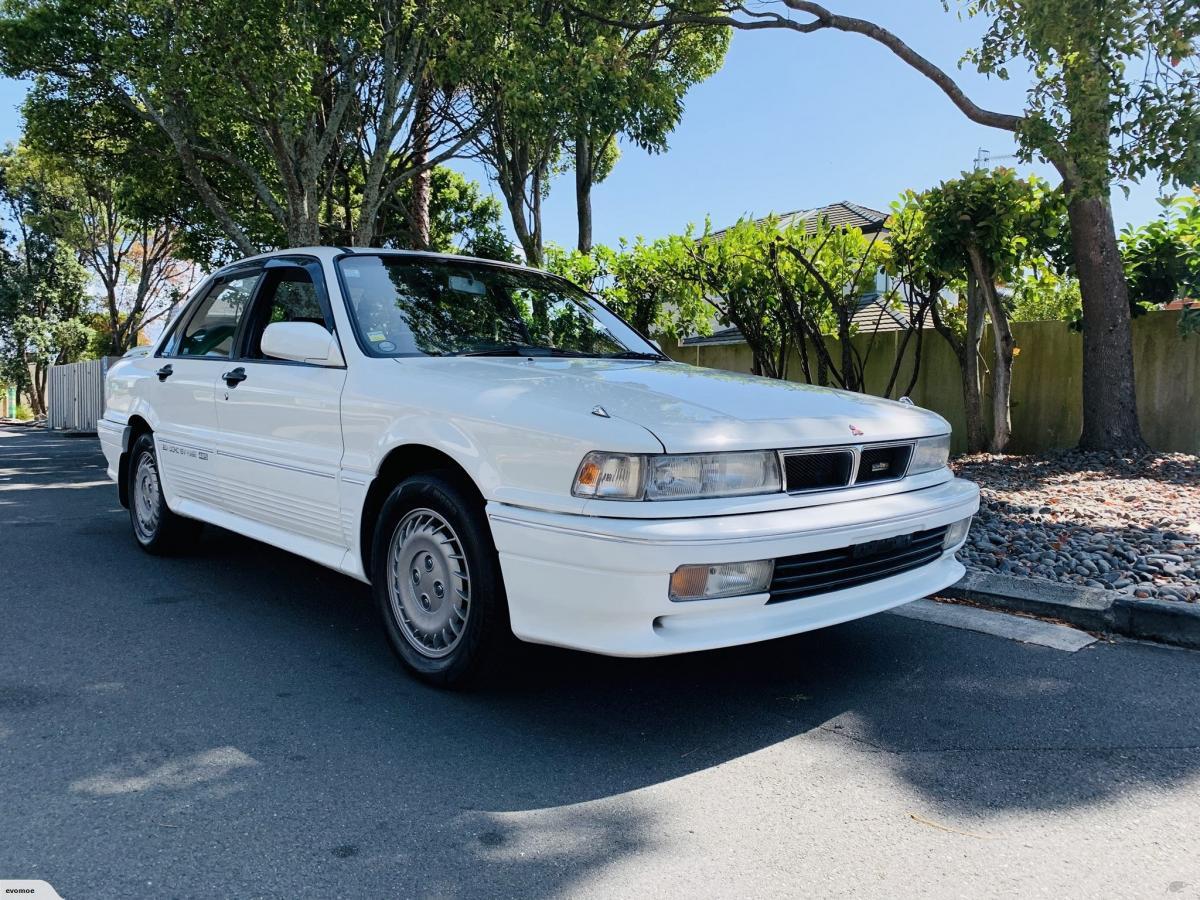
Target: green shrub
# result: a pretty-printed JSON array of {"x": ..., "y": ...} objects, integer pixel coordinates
[{"x": 23, "y": 413}]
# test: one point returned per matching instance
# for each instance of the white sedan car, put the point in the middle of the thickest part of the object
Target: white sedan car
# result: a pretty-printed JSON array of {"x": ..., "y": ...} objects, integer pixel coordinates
[{"x": 498, "y": 454}]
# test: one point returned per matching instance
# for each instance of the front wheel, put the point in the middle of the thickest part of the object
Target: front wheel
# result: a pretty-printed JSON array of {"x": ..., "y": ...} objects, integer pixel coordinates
[
  {"x": 156, "y": 529},
  {"x": 436, "y": 579}
]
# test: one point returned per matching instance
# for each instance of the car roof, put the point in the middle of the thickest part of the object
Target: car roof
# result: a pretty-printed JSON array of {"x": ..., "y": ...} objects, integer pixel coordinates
[{"x": 329, "y": 253}]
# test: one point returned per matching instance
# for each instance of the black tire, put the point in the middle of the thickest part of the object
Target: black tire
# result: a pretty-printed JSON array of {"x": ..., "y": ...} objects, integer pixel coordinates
[
  {"x": 156, "y": 529},
  {"x": 427, "y": 505}
]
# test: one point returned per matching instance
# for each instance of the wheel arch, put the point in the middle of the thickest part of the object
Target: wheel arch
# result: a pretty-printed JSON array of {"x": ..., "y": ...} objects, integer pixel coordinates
[
  {"x": 402, "y": 462},
  {"x": 137, "y": 427}
]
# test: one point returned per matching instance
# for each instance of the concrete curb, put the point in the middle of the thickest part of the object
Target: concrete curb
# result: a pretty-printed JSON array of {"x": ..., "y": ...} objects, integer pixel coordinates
[{"x": 1093, "y": 609}]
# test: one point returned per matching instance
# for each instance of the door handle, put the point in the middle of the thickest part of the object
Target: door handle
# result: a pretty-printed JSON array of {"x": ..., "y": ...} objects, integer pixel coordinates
[
  {"x": 235, "y": 377},
  {"x": 165, "y": 372}
]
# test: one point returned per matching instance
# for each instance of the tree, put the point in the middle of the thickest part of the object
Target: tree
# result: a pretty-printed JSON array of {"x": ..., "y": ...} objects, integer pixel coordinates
[
  {"x": 288, "y": 119},
  {"x": 563, "y": 86},
  {"x": 1114, "y": 97},
  {"x": 921, "y": 284},
  {"x": 521, "y": 115},
  {"x": 1046, "y": 296},
  {"x": 641, "y": 282},
  {"x": 918, "y": 261},
  {"x": 648, "y": 292},
  {"x": 624, "y": 82},
  {"x": 520, "y": 148},
  {"x": 821, "y": 273},
  {"x": 42, "y": 299},
  {"x": 456, "y": 214},
  {"x": 1162, "y": 258},
  {"x": 121, "y": 209},
  {"x": 731, "y": 272},
  {"x": 984, "y": 229}
]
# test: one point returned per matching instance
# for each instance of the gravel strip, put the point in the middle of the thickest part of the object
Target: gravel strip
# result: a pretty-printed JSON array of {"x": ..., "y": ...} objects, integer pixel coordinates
[{"x": 1130, "y": 524}]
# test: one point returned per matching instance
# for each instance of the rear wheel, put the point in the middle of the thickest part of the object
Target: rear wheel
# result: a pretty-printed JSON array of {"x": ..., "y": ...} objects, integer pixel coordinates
[
  {"x": 437, "y": 581},
  {"x": 156, "y": 529}
]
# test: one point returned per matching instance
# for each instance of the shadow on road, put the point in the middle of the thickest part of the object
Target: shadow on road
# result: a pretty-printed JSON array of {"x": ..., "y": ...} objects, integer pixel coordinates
[{"x": 240, "y": 685}]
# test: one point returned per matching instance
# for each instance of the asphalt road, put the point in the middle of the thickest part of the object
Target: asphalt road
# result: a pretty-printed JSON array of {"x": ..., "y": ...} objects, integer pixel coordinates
[{"x": 231, "y": 724}]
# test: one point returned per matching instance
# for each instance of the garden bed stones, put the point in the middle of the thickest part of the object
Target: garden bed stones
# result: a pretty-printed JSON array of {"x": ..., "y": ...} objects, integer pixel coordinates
[{"x": 1101, "y": 520}]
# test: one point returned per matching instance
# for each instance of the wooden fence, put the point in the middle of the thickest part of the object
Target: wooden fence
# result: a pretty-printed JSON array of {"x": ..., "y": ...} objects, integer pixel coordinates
[
  {"x": 1047, "y": 390},
  {"x": 75, "y": 395}
]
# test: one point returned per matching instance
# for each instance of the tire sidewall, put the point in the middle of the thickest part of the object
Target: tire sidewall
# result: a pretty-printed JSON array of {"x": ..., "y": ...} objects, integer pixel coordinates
[{"x": 487, "y": 624}]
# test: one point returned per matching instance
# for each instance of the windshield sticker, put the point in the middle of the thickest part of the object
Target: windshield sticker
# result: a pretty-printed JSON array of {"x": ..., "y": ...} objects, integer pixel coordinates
[
  {"x": 376, "y": 336},
  {"x": 387, "y": 346},
  {"x": 465, "y": 284}
]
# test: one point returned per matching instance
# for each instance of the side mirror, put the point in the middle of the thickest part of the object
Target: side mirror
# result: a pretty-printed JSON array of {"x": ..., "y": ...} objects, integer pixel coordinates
[{"x": 305, "y": 342}]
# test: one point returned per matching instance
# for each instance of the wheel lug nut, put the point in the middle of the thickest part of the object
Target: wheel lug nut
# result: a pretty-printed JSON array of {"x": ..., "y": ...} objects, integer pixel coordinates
[
  {"x": 439, "y": 589},
  {"x": 428, "y": 563}
]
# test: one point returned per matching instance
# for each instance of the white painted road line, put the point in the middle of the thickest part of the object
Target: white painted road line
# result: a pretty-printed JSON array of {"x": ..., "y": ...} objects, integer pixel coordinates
[{"x": 986, "y": 621}]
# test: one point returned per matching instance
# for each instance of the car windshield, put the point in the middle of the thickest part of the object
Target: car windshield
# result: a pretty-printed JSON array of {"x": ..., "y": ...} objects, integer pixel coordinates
[{"x": 417, "y": 306}]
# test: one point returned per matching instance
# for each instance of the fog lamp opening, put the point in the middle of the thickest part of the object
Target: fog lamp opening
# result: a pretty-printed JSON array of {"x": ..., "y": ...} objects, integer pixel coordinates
[
  {"x": 956, "y": 533},
  {"x": 708, "y": 582}
]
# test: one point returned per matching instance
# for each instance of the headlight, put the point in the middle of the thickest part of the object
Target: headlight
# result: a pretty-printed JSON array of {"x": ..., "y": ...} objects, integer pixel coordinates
[
  {"x": 712, "y": 475},
  {"x": 930, "y": 454},
  {"x": 689, "y": 476}
]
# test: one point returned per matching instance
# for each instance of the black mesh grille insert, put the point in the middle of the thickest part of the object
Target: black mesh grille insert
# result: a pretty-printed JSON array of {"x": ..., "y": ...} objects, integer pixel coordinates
[
  {"x": 836, "y": 570},
  {"x": 816, "y": 471},
  {"x": 883, "y": 463}
]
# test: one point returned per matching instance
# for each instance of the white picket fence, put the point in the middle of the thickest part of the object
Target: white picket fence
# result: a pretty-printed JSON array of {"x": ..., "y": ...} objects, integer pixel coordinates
[{"x": 75, "y": 395}]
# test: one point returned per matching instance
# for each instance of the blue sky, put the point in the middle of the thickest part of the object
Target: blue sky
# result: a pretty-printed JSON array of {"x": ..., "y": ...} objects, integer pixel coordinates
[{"x": 794, "y": 121}]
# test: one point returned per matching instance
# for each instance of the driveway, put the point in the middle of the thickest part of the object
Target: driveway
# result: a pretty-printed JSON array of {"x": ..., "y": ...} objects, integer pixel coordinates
[{"x": 231, "y": 724}]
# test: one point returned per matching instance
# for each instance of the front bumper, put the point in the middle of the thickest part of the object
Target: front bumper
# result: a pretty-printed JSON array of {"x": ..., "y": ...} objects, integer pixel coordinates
[
  {"x": 600, "y": 584},
  {"x": 114, "y": 440}
]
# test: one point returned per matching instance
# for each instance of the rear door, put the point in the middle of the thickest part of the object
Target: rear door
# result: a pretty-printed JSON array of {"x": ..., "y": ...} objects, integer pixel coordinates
[
  {"x": 184, "y": 398},
  {"x": 280, "y": 421}
]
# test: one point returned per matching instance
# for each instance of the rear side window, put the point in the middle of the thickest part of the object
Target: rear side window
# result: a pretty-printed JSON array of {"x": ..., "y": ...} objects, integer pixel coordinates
[{"x": 211, "y": 330}]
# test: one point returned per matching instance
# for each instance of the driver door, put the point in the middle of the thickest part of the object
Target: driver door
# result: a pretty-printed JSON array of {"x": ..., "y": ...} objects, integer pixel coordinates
[{"x": 183, "y": 394}]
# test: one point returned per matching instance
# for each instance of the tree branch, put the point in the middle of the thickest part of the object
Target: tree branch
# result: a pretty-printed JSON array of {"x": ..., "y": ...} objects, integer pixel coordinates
[
  {"x": 938, "y": 76},
  {"x": 743, "y": 19}
]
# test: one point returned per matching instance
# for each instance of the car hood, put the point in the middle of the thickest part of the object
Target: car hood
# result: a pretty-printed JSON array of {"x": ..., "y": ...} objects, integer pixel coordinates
[{"x": 691, "y": 409}]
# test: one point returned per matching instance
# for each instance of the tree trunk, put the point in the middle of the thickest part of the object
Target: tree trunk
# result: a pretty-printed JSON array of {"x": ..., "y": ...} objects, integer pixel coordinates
[
  {"x": 418, "y": 214},
  {"x": 37, "y": 393},
  {"x": 1110, "y": 416},
  {"x": 529, "y": 238},
  {"x": 1003, "y": 340},
  {"x": 917, "y": 357},
  {"x": 422, "y": 183},
  {"x": 583, "y": 191},
  {"x": 849, "y": 376},
  {"x": 971, "y": 370}
]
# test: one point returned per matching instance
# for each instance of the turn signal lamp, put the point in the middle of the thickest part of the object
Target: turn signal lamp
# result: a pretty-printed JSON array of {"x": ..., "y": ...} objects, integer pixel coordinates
[{"x": 708, "y": 582}]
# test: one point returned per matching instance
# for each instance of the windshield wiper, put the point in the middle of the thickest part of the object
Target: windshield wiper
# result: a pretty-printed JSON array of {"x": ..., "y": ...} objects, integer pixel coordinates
[{"x": 637, "y": 354}]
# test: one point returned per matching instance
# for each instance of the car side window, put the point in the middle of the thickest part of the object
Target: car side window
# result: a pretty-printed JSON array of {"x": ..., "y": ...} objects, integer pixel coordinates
[
  {"x": 287, "y": 295},
  {"x": 210, "y": 331}
]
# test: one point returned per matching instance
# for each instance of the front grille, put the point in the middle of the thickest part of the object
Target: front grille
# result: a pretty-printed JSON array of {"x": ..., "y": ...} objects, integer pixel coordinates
[
  {"x": 836, "y": 570},
  {"x": 883, "y": 463},
  {"x": 818, "y": 471}
]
